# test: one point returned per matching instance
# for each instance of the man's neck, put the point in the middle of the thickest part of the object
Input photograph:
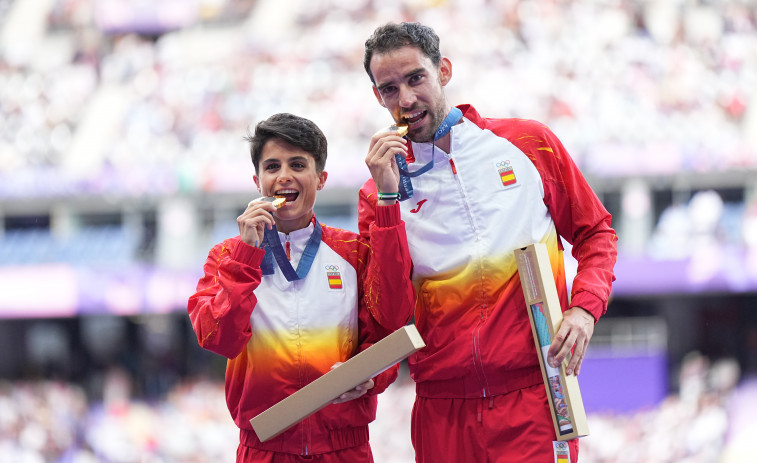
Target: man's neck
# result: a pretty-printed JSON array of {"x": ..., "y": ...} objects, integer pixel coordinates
[{"x": 444, "y": 143}]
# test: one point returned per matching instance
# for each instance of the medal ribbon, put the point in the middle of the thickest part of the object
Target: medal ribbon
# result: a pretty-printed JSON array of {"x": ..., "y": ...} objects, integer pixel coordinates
[
  {"x": 406, "y": 185},
  {"x": 274, "y": 250}
]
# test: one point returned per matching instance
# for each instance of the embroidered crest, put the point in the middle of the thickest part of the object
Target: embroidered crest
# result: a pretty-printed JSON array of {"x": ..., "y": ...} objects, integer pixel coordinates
[
  {"x": 506, "y": 173},
  {"x": 334, "y": 276},
  {"x": 562, "y": 452}
]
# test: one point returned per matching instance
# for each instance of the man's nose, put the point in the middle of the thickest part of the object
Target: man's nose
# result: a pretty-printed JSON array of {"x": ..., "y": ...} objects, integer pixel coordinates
[{"x": 407, "y": 97}]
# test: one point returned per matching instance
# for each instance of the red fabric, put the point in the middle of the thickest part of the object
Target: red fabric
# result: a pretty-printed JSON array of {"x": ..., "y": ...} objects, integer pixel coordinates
[
  {"x": 220, "y": 313},
  {"x": 480, "y": 350},
  {"x": 506, "y": 341},
  {"x": 390, "y": 297},
  {"x": 232, "y": 272},
  {"x": 509, "y": 428},
  {"x": 468, "y": 387},
  {"x": 358, "y": 454},
  {"x": 585, "y": 224}
]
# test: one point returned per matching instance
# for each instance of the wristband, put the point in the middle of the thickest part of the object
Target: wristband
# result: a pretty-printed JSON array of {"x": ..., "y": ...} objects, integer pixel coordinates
[{"x": 387, "y": 196}]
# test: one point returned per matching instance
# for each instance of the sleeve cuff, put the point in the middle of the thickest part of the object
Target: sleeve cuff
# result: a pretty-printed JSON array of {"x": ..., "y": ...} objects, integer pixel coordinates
[
  {"x": 589, "y": 302},
  {"x": 388, "y": 216},
  {"x": 247, "y": 254}
]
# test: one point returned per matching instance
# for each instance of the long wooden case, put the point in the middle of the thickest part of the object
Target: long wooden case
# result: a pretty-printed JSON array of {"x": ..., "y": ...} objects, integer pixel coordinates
[
  {"x": 544, "y": 311},
  {"x": 321, "y": 392}
]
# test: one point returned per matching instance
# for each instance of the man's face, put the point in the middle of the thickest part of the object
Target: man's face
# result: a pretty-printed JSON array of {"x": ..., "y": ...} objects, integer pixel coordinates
[
  {"x": 409, "y": 85},
  {"x": 285, "y": 170}
]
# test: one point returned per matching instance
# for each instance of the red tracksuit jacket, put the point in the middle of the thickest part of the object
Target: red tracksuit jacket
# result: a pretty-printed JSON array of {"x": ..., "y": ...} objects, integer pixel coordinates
[
  {"x": 280, "y": 335},
  {"x": 506, "y": 183}
]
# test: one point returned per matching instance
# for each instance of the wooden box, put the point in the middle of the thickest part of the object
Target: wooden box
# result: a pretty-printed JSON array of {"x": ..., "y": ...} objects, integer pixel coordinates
[
  {"x": 544, "y": 311},
  {"x": 321, "y": 392}
]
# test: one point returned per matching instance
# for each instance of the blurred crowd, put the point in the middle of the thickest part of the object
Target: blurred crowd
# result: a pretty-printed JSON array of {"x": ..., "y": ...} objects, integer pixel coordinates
[
  {"x": 55, "y": 422},
  {"x": 694, "y": 425},
  {"x": 160, "y": 104},
  {"x": 717, "y": 237},
  {"x": 137, "y": 98},
  {"x": 118, "y": 99},
  {"x": 707, "y": 420}
]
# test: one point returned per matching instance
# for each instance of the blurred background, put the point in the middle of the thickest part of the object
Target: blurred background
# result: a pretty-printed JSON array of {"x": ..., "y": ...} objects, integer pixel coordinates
[{"x": 122, "y": 161}]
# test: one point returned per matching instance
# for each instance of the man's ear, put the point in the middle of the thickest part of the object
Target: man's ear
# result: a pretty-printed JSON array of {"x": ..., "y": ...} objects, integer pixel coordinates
[
  {"x": 445, "y": 71},
  {"x": 322, "y": 179},
  {"x": 378, "y": 96}
]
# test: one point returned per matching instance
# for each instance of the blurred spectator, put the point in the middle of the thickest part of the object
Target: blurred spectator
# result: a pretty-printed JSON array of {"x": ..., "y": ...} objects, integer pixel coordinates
[
  {"x": 658, "y": 87},
  {"x": 49, "y": 421},
  {"x": 143, "y": 108},
  {"x": 101, "y": 104}
]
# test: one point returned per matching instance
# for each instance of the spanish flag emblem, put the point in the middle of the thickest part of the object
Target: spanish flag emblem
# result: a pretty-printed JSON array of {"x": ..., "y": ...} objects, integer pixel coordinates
[
  {"x": 562, "y": 452},
  {"x": 508, "y": 177},
  {"x": 506, "y": 173},
  {"x": 334, "y": 277}
]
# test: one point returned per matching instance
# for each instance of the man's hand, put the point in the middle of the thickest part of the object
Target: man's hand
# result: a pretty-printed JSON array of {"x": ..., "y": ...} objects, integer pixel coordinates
[
  {"x": 380, "y": 160},
  {"x": 575, "y": 331},
  {"x": 358, "y": 392}
]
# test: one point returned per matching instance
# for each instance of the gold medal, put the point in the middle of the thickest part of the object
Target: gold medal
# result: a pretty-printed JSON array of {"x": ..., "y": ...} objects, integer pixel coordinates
[
  {"x": 277, "y": 201},
  {"x": 400, "y": 129}
]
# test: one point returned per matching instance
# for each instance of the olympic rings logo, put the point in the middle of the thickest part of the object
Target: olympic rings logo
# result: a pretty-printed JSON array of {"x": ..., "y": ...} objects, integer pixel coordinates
[
  {"x": 332, "y": 268},
  {"x": 503, "y": 164}
]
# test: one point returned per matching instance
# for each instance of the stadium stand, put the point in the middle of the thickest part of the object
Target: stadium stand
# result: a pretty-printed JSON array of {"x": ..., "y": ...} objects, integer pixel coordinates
[{"x": 122, "y": 161}]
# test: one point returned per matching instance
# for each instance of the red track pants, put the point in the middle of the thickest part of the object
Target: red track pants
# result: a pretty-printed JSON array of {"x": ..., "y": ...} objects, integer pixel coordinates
[
  {"x": 358, "y": 454},
  {"x": 510, "y": 428}
]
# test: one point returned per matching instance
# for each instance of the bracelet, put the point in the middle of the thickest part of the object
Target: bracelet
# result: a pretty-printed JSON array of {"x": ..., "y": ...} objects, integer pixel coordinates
[{"x": 383, "y": 196}]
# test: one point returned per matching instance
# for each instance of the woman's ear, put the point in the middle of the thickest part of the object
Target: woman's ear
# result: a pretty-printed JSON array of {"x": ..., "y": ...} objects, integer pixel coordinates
[{"x": 322, "y": 179}]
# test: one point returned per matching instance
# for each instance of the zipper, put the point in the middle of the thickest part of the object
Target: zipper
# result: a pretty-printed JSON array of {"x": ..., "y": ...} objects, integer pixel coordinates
[
  {"x": 477, "y": 364},
  {"x": 302, "y": 371},
  {"x": 461, "y": 190},
  {"x": 306, "y": 426}
]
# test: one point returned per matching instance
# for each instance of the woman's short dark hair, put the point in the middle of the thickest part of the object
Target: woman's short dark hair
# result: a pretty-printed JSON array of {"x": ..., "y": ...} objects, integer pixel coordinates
[{"x": 295, "y": 130}]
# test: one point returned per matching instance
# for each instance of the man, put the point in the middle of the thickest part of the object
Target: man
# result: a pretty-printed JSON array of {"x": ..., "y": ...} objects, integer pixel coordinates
[
  {"x": 474, "y": 189},
  {"x": 289, "y": 298}
]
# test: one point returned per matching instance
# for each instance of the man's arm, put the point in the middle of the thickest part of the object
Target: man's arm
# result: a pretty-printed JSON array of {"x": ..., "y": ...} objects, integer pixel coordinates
[
  {"x": 388, "y": 285},
  {"x": 388, "y": 296},
  {"x": 366, "y": 208},
  {"x": 582, "y": 220},
  {"x": 387, "y": 289}
]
